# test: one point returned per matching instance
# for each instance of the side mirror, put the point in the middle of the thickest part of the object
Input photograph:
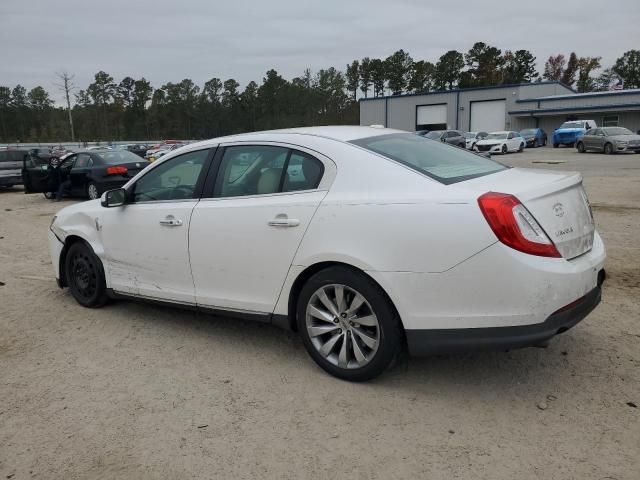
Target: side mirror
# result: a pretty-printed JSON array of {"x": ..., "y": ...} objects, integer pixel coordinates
[{"x": 114, "y": 198}]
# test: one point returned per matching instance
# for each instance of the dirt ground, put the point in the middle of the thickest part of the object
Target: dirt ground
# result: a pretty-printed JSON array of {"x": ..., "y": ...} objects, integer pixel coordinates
[{"x": 139, "y": 391}]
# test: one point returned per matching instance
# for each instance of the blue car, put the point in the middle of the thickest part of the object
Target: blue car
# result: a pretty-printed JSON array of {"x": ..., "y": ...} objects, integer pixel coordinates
[
  {"x": 569, "y": 132},
  {"x": 534, "y": 137}
]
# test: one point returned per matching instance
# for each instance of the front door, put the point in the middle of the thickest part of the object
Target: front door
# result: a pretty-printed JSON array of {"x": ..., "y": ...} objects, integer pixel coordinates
[
  {"x": 38, "y": 176},
  {"x": 146, "y": 241},
  {"x": 243, "y": 239},
  {"x": 78, "y": 174}
]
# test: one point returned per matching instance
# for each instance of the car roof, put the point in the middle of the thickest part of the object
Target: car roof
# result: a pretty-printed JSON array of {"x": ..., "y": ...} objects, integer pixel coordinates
[{"x": 341, "y": 133}]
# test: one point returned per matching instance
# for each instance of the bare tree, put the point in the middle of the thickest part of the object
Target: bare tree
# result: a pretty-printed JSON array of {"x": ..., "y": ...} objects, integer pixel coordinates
[{"x": 67, "y": 86}]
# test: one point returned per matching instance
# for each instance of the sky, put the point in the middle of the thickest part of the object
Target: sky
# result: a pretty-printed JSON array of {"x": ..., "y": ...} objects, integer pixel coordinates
[{"x": 166, "y": 41}]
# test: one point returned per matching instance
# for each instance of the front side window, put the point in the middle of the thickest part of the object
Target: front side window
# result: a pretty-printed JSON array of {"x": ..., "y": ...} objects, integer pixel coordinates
[
  {"x": 174, "y": 179},
  {"x": 264, "y": 170},
  {"x": 440, "y": 162},
  {"x": 83, "y": 160}
]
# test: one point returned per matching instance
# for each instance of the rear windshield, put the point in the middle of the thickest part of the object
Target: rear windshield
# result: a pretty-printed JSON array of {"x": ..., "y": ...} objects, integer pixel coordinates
[
  {"x": 117, "y": 156},
  {"x": 434, "y": 135},
  {"x": 439, "y": 161},
  {"x": 530, "y": 131}
]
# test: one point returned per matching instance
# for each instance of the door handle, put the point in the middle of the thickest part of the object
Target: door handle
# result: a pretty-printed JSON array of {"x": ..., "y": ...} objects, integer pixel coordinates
[
  {"x": 170, "y": 221},
  {"x": 283, "y": 222}
]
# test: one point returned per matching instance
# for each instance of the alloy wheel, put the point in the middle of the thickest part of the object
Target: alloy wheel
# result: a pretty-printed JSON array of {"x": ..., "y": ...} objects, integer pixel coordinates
[
  {"x": 342, "y": 326},
  {"x": 92, "y": 191}
]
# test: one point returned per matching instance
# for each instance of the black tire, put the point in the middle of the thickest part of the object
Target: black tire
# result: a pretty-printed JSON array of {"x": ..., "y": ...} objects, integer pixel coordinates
[
  {"x": 473, "y": 147},
  {"x": 93, "y": 192},
  {"x": 544, "y": 142},
  {"x": 608, "y": 149},
  {"x": 389, "y": 327},
  {"x": 580, "y": 147},
  {"x": 504, "y": 149},
  {"x": 521, "y": 148},
  {"x": 535, "y": 143},
  {"x": 85, "y": 276},
  {"x": 49, "y": 195},
  {"x": 555, "y": 145}
]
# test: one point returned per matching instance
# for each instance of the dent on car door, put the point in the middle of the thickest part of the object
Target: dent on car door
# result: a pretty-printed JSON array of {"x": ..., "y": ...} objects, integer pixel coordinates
[
  {"x": 243, "y": 238},
  {"x": 146, "y": 240}
]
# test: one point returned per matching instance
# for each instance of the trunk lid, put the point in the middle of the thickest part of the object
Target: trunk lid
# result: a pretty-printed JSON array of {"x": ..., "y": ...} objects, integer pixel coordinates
[{"x": 557, "y": 200}]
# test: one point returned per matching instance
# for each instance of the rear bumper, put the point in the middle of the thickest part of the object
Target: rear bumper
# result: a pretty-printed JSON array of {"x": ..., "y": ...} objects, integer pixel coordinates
[{"x": 434, "y": 342}]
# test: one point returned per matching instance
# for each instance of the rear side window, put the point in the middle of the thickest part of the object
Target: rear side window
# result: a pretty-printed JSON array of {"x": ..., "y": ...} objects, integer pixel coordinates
[
  {"x": 264, "y": 170},
  {"x": 434, "y": 159}
]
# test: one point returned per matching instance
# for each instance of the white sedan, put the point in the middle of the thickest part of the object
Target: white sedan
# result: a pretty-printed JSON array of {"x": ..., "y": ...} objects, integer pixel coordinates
[
  {"x": 501, "y": 142},
  {"x": 361, "y": 239}
]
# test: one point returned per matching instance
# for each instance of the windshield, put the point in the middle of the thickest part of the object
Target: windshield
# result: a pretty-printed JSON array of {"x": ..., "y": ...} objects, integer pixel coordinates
[
  {"x": 617, "y": 131},
  {"x": 436, "y": 160},
  {"x": 572, "y": 125},
  {"x": 529, "y": 131},
  {"x": 118, "y": 156},
  {"x": 496, "y": 136},
  {"x": 434, "y": 135},
  {"x": 469, "y": 135}
]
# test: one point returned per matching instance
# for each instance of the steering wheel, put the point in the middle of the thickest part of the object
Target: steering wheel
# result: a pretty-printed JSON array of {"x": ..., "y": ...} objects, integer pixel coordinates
[{"x": 182, "y": 192}]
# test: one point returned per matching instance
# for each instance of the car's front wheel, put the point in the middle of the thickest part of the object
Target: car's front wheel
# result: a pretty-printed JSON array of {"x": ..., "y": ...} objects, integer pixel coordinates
[
  {"x": 504, "y": 149},
  {"x": 85, "y": 276},
  {"x": 608, "y": 149},
  {"x": 92, "y": 191},
  {"x": 521, "y": 148},
  {"x": 348, "y": 324},
  {"x": 49, "y": 195}
]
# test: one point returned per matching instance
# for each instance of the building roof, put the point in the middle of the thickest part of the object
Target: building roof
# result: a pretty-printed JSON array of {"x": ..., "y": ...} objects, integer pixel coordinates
[
  {"x": 455, "y": 90},
  {"x": 616, "y": 93}
]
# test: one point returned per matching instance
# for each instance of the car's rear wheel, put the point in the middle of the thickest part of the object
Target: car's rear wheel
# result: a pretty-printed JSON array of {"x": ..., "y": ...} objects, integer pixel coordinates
[
  {"x": 544, "y": 142},
  {"x": 85, "y": 276},
  {"x": 93, "y": 192},
  {"x": 608, "y": 148},
  {"x": 49, "y": 195},
  {"x": 555, "y": 145},
  {"x": 348, "y": 324},
  {"x": 580, "y": 147},
  {"x": 504, "y": 149}
]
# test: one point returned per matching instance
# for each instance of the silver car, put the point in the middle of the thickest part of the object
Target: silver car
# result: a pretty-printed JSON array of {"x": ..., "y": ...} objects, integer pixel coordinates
[{"x": 609, "y": 140}]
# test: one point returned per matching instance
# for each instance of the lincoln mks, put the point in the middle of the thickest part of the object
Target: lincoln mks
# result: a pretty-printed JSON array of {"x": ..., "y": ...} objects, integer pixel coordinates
[{"x": 363, "y": 240}]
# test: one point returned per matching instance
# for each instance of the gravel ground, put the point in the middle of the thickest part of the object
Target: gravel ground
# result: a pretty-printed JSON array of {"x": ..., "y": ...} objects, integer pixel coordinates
[{"x": 139, "y": 391}]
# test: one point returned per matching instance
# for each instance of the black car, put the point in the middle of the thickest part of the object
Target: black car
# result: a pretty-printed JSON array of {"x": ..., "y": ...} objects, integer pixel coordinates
[
  {"x": 138, "y": 149},
  {"x": 452, "y": 137},
  {"x": 90, "y": 173},
  {"x": 11, "y": 166}
]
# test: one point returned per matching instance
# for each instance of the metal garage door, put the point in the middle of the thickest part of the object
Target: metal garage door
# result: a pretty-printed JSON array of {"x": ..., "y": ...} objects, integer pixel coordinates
[
  {"x": 488, "y": 116},
  {"x": 431, "y": 117}
]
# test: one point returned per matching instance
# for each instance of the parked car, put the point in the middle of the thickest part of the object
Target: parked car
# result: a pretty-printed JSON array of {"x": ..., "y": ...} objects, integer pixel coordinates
[
  {"x": 91, "y": 172},
  {"x": 138, "y": 149},
  {"x": 609, "y": 140},
  {"x": 362, "y": 250},
  {"x": 162, "y": 151},
  {"x": 452, "y": 137},
  {"x": 569, "y": 132},
  {"x": 472, "y": 137},
  {"x": 534, "y": 137},
  {"x": 501, "y": 142},
  {"x": 11, "y": 166}
]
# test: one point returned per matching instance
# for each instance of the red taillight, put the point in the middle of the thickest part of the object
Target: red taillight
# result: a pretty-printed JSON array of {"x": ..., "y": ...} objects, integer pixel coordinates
[
  {"x": 515, "y": 226},
  {"x": 116, "y": 170}
]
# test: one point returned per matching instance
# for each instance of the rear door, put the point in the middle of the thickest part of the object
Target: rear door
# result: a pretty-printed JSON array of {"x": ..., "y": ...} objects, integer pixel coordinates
[{"x": 243, "y": 238}]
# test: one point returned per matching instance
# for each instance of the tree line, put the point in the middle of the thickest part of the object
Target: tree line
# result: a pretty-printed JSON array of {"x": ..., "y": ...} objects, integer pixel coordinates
[{"x": 133, "y": 109}]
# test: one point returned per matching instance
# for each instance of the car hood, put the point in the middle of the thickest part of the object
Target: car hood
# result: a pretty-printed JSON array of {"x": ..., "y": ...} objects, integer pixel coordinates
[{"x": 490, "y": 141}]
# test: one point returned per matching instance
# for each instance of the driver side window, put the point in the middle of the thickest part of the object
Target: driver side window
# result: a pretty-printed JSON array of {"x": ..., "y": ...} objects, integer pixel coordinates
[{"x": 174, "y": 179}]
